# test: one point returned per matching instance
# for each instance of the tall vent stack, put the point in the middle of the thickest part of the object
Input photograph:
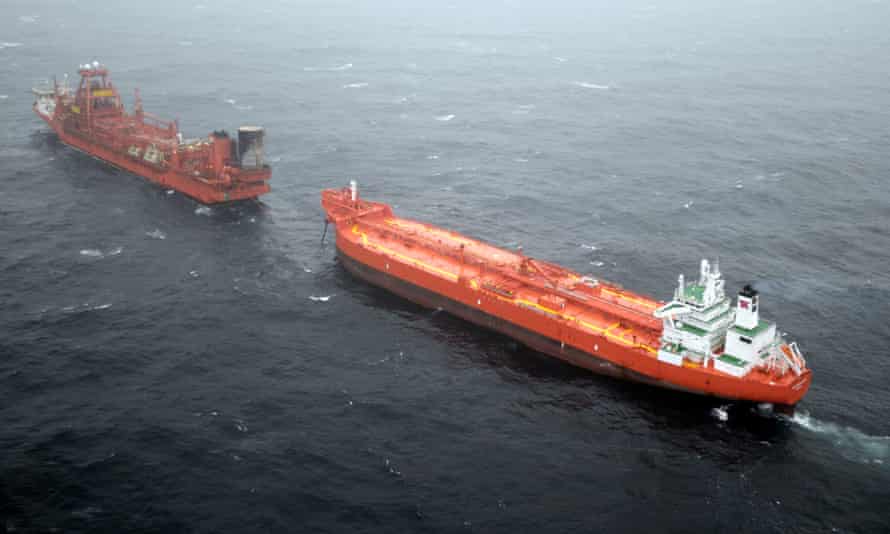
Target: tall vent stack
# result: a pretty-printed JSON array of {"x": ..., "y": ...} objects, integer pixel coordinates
[{"x": 250, "y": 147}]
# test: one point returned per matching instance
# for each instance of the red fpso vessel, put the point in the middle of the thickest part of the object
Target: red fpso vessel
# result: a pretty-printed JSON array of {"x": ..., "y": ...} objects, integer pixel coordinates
[
  {"x": 92, "y": 119},
  {"x": 697, "y": 342}
]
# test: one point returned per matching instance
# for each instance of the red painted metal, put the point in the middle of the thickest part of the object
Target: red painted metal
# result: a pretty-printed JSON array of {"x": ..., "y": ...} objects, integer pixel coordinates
[
  {"x": 598, "y": 326},
  {"x": 93, "y": 120}
]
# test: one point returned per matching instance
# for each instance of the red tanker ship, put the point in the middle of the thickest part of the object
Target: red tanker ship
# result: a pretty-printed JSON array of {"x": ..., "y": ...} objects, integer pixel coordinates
[
  {"x": 92, "y": 119},
  {"x": 698, "y": 342}
]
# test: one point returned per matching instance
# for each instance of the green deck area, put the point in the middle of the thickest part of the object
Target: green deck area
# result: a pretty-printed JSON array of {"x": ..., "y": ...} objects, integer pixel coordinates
[
  {"x": 761, "y": 326},
  {"x": 694, "y": 292},
  {"x": 693, "y": 329},
  {"x": 732, "y": 360}
]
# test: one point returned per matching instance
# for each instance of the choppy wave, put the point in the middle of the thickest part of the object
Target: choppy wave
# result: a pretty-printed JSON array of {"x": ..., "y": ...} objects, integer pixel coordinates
[
  {"x": 80, "y": 308},
  {"x": 96, "y": 253},
  {"x": 588, "y": 85},
  {"x": 852, "y": 442},
  {"x": 345, "y": 66},
  {"x": 444, "y": 118},
  {"x": 156, "y": 234},
  {"x": 357, "y": 85}
]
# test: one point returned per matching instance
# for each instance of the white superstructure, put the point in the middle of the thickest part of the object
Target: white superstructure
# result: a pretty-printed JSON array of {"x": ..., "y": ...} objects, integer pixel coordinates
[{"x": 701, "y": 326}]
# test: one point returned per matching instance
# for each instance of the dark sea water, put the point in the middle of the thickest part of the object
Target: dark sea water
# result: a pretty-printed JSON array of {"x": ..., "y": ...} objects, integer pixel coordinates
[{"x": 164, "y": 367}]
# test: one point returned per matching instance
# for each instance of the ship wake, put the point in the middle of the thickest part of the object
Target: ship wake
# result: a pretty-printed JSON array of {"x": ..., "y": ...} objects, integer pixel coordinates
[{"x": 852, "y": 441}]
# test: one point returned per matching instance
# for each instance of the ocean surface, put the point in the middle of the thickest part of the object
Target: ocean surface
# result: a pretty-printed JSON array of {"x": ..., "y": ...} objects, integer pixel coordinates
[{"x": 170, "y": 367}]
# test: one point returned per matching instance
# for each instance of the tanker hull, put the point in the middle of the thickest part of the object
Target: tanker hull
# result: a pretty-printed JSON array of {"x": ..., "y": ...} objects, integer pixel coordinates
[
  {"x": 211, "y": 170},
  {"x": 616, "y": 356}
]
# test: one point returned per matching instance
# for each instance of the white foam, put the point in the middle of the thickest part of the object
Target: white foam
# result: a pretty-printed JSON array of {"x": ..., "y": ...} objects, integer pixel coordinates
[
  {"x": 597, "y": 263},
  {"x": 231, "y": 101},
  {"x": 560, "y": 59},
  {"x": 170, "y": 191},
  {"x": 96, "y": 253},
  {"x": 156, "y": 234},
  {"x": 203, "y": 210},
  {"x": 86, "y": 306},
  {"x": 357, "y": 85},
  {"x": 739, "y": 186},
  {"x": 720, "y": 413},
  {"x": 588, "y": 85},
  {"x": 874, "y": 449},
  {"x": 689, "y": 204},
  {"x": 444, "y": 118},
  {"x": 4, "y": 97},
  {"x": 345, "y": 66},
  {"x": 433, "y": 156},
  {"x": 325, "y": 298},
  {"x": 589, "y": 247},
  {"x": 28, "y": 18},
  {"x": 9, "y": 45}
]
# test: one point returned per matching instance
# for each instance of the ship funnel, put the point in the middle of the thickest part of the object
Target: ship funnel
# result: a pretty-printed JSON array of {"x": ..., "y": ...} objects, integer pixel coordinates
[
  {"x": 250, "y": 147},
  {"x": 746, "y": 315}
]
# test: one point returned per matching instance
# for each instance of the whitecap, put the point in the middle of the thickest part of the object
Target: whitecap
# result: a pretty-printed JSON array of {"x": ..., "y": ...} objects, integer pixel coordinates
[
  {"x": 433, "y": 156},
  {"x": 194, "y": 274},
  {"x": 231, "y": 101},
  {"x": 689, "y": 204},
  {"x": 156, "y": 234},
  {"x": 520, "y": 160},
  {"x": 92, "y": 253},
  {"x": 720, "y": 413},
  {"x": 560, "y": 59},
  {"x": 588, "y": 85},
  {"x": 4, "y": 97},
  {"x": 115, "y": 251},
  {"x": 325, "y": 298},
  {"x": 29, "y": 18},
  {"x": 170, "y": 191},
  {"x": 203, "y": 210},
  {"x": 358, "y": 85},
  {"x": 345, "y": 66},
  {"x": 444, "y": 118},
  {"x": 597, "y": 263},
  {"x": 9, "y": 45},
  {"x": 739, "y": 186},
  {"x": 589, "y": 247}
]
